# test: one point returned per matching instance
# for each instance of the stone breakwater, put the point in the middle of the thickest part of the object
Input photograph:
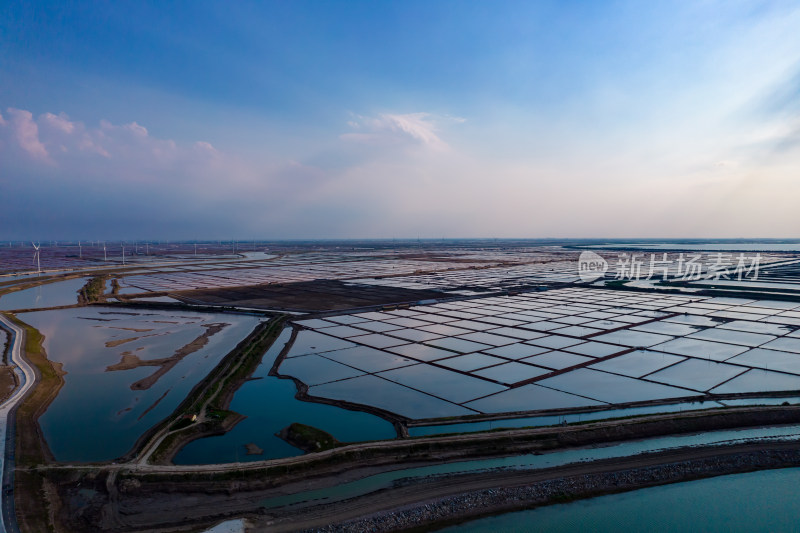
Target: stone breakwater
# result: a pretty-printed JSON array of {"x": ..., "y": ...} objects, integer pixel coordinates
[{"x": 491, "y": 501}]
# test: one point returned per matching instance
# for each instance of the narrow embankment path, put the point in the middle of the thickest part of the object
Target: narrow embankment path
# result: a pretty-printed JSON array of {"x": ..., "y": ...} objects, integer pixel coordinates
[{"x": 27, "y": 377}]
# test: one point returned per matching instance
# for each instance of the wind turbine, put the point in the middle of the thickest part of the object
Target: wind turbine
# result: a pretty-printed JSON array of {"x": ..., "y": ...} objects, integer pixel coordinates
[
  {"x": 80, "y": 250},
  {"x": 123, "y": 254},
  {"x": 105, "y": 256},
  {"x": 36, "y": 256}
]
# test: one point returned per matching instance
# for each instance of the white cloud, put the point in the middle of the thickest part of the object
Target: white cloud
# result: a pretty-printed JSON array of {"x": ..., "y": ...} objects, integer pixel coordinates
[
  {"x": 398, "y": 129},
  {"x": 415, "y": 125},
  {"x": 206, "y": 147},
  {"x": 137, "y": 130}
]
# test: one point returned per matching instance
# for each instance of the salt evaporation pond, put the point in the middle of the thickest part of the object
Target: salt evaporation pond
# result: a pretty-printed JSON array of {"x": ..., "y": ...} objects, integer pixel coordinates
[
  {"x": 48, "y": 295},
  {"x": 755, "y": 502},
  {"x": 270, "y": 405},
  {"x": 702, "y": 247},
  {"x": 96, "y": 415},
  {"x": 130, "y": 290}
]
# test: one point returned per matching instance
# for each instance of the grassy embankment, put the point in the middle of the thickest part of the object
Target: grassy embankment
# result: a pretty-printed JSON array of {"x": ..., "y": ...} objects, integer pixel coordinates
[
  {"x": 8, "y": 380},
  {"x": 31, "y": 489}
]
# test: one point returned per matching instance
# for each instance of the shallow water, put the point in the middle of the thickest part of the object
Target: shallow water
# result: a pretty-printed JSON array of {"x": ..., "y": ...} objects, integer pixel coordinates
[
  {"x": 49, "y": 295},
  {"x": 610, "y": 388},
  {"x": 742, "y": 246},
  {"x": 96, "y": 415},
  {"x": 130, "y": 290},
  {"x": 156, "y": 299},
  {"x": 754, "y": 502}
]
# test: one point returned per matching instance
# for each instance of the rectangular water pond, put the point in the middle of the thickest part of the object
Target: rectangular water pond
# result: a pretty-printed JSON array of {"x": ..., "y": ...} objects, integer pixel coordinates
[{"x": 49, "y": 295}]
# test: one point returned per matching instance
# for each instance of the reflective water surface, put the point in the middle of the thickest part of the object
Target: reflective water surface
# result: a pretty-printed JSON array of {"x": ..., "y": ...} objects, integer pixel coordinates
[
  {"x": 105, "y": 405},
  {"x": 546, "y": 460},
  {"x": 270, "y": 405},
  {"x": 48, "y": 295},
  {"x": 754, "y": 502}
]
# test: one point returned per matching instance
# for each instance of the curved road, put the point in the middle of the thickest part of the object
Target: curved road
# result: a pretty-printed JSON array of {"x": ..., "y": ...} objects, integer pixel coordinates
[{"x": 27, "y": 377}]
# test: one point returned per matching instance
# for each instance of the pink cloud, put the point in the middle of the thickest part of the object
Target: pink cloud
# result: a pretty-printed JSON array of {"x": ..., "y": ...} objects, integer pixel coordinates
[
  {"x": 86, "y": 144},
  {"x": 60, "y": 122},
  {"x": 205, "y": 147},
  {"x": 27, "y": 133},
  {"x": 107, "y": 152}
]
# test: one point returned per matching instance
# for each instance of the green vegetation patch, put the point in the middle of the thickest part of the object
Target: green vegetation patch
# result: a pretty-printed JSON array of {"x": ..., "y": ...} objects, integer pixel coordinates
[
  {"x": 308, "y": 438},
  {"x": 93, "y": 290}
]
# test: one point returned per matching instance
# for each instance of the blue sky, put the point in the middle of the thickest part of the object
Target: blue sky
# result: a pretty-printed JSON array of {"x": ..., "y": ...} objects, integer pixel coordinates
[{"x": 398, "y": 119}]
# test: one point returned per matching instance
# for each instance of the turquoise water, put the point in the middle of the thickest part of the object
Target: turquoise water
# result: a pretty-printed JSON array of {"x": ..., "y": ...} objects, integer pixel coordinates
[
  {"x": 386, "y": 480},
  {"x": 754, "y": 502},
  {"x": 49, "y": 295},
  {"x": 270, "y": 406}
]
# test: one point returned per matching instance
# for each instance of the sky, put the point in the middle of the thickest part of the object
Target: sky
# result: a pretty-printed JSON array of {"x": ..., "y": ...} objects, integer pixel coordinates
[{"x": 431, "y": 119}]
